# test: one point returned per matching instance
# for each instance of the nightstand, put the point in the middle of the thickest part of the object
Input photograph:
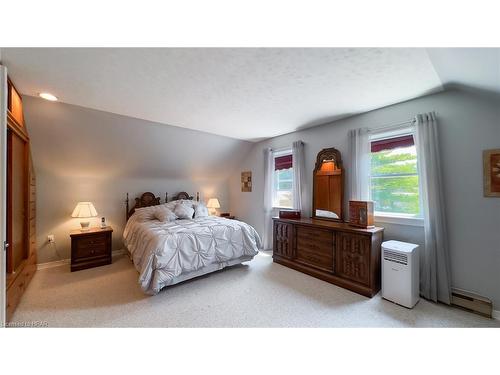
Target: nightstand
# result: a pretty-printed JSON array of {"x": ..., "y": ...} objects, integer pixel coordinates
[{"x": 91, "y": 248}]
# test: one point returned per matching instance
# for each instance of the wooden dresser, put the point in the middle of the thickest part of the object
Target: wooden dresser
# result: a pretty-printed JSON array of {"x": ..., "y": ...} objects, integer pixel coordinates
[{"x": 332, "y": 251}]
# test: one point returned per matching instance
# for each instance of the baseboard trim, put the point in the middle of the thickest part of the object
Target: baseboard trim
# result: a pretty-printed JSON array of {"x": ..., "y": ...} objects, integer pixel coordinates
[
  {"x": 118, "y": 252},
  {"x": 495, "y": 314},
  {"x": 63, "y": 262},
  {"x": 57, "y": 263}
]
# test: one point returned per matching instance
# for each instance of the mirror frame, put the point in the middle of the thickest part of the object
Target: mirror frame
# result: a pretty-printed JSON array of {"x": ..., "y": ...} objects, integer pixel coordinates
[{"x": 329, "y": 154}]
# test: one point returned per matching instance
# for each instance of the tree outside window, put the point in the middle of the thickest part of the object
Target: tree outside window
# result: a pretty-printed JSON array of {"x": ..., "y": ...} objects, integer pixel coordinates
[
  {"x": 283, "y": 180},
  {"x": 394, "y": 184}
]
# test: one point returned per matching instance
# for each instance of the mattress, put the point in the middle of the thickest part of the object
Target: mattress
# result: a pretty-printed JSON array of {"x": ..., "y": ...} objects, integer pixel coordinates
[{"x": 166, "y": 253}]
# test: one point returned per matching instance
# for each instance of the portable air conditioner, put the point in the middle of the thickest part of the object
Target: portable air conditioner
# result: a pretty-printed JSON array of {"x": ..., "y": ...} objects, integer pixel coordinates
[{"x": 400, "y": 273}]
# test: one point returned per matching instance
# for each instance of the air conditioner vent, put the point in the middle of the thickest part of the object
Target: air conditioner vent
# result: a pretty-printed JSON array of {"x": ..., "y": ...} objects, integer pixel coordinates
[{"x": 396, "y": 257}]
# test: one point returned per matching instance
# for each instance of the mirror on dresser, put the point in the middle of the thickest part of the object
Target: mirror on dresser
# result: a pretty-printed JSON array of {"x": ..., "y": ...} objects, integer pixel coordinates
[{"x": 328, "y": 185}]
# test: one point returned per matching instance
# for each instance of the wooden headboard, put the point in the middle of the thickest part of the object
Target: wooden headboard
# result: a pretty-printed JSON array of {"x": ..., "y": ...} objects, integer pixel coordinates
[{"x": 149, "y": 199}]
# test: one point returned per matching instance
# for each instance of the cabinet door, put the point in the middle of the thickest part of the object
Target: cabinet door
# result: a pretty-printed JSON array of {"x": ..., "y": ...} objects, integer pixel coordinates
[
  {"x": 353, "y": 257},
  {"x": 283, "y": 239},
  {"x": 17, "y": 179}
]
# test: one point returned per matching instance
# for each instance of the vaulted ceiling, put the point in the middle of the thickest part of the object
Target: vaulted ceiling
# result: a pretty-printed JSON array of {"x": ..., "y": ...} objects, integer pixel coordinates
[{"x": 246, "y": 93}]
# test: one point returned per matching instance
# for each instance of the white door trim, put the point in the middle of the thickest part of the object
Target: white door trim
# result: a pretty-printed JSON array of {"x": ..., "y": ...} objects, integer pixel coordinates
[{"x": 3, "y": 167}]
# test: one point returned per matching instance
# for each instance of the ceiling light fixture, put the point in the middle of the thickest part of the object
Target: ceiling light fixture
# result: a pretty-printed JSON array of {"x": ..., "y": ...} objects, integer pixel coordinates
[{"x": 47, "y": 96}]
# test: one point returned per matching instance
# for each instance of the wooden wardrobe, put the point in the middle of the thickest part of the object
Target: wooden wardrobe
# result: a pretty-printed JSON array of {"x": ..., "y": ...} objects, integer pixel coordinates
[{"x": 21, "y": 205}]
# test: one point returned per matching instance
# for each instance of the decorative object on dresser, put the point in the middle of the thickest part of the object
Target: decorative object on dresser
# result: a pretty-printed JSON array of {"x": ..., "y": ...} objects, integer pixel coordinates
[
  {"x": 289, "y": 214},
  {"x": 361, "y": 214},
  {"x": 246, "y": 181},
  {"x": 20, "y": 246},
  {"x": 90, "y": 248},
  {"x": 212, "y": 205},
  {"x": 328, "y": 185},
  {"x": 84, "y": 210},
  {"x": 332, "y": 251},
  {"x": 491, "y": 163}
]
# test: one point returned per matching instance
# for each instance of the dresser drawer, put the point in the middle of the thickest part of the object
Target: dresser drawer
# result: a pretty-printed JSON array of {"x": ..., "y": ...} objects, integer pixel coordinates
[
  {"x": 32, "y": 226},
  {"x": 32, "y": 206},
  {"x": 315, "y": 259},
  {"x": 32, "y": 194},
  {"x": 315, "y": 234},
  {"x": 92, "y": 241},
  {"x": 317, "y": 240},
  {"x": 318, "y": 245},
  {"x": 90, "y": 247},
  {"x": 315, "y": 247}
]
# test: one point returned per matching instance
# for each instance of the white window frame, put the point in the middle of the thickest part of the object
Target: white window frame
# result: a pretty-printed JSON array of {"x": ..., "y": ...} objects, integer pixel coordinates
[
  {"x": 278, "y": 153},
  {"x": 388, "y": 217}
]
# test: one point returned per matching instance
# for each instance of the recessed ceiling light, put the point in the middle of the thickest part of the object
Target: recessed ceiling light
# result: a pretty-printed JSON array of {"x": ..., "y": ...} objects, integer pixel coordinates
[{"x": 47, "y": 96}]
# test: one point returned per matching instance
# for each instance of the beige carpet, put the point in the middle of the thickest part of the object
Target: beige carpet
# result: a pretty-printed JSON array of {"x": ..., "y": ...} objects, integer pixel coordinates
[{"x": 259, "y": 294}]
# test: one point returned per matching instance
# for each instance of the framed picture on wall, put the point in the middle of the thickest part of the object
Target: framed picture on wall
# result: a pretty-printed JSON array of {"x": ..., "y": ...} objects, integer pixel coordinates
[
  {"x": 491, "y": 162},
  {"x": 246, "y": 181}
]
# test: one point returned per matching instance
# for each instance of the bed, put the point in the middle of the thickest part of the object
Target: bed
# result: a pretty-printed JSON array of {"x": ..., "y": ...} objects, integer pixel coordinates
[{"x": 168, "y": 252}]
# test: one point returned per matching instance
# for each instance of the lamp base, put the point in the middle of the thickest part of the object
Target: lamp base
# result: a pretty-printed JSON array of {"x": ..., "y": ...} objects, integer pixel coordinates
[{"x": 85, "y": 225}]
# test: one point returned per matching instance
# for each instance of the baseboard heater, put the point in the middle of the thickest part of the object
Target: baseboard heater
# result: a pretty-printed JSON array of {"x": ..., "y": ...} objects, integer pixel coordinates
[{"x": 471, "y": 302}]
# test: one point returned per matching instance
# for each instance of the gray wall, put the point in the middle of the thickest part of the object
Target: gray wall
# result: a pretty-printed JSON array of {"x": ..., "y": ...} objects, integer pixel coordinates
[
  {"x": 469, "y": 123},
  {"x": 87, "y": 155}
]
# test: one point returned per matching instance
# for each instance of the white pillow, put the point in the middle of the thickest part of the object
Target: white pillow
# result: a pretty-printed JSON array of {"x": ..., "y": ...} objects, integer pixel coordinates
[
  {"x": 200, "y": 210},
  {"x": 188, "y": 202},
  {"x": 163, "y": 214},
  {"x": 183, "y": 211},
  {"x": 145, "y": 213},
  {"x": 171, "y": 205}
]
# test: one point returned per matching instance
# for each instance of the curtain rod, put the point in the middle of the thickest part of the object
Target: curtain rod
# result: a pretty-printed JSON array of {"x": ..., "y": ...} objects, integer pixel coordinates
[
  {"x": 280, "y": 149},
  {"x": 395, "y": 125}
]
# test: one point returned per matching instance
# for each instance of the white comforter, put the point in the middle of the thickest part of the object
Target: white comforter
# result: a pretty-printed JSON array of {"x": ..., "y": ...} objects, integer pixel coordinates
[{"x": 164, "y": 252}]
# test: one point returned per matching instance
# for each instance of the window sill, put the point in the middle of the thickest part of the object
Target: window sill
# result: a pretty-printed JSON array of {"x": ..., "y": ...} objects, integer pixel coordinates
[
  {"x": 283, "y": 208},
  {"x": 399, "y": 220}
]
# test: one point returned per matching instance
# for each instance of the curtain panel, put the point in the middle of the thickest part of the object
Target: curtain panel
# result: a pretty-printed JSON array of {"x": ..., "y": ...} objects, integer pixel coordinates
[
  {"x": 298, "y": 175},
  {"x": 435, "y": 275},
  {"x": 267, "y": 239},
  {"x": 359, "y": 156}
]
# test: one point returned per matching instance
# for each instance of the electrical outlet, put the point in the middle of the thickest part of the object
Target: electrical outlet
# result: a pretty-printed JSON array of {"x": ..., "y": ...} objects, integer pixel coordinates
[{"x": 51, "y": 238}]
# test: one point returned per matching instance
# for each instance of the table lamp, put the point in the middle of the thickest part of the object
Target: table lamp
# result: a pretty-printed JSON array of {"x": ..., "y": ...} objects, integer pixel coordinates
[
  {"x": 84, "y": 210},
  {"x": 213, "y": 204}
]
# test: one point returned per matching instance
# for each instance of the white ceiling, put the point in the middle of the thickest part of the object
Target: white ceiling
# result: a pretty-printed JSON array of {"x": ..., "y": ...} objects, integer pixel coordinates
[{"x": 248, "y": 94}]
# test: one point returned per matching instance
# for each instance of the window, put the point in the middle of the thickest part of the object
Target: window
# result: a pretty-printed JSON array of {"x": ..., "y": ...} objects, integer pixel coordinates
[
  {"x": 283, "y": 179},
  {"x": 394, "y": 177}
]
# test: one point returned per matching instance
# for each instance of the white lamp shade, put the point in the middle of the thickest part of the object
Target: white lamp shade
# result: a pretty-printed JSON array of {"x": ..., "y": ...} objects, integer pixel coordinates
[
  {"x": 84, "y": 209},
  {"x": 213, "y": 203}
]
